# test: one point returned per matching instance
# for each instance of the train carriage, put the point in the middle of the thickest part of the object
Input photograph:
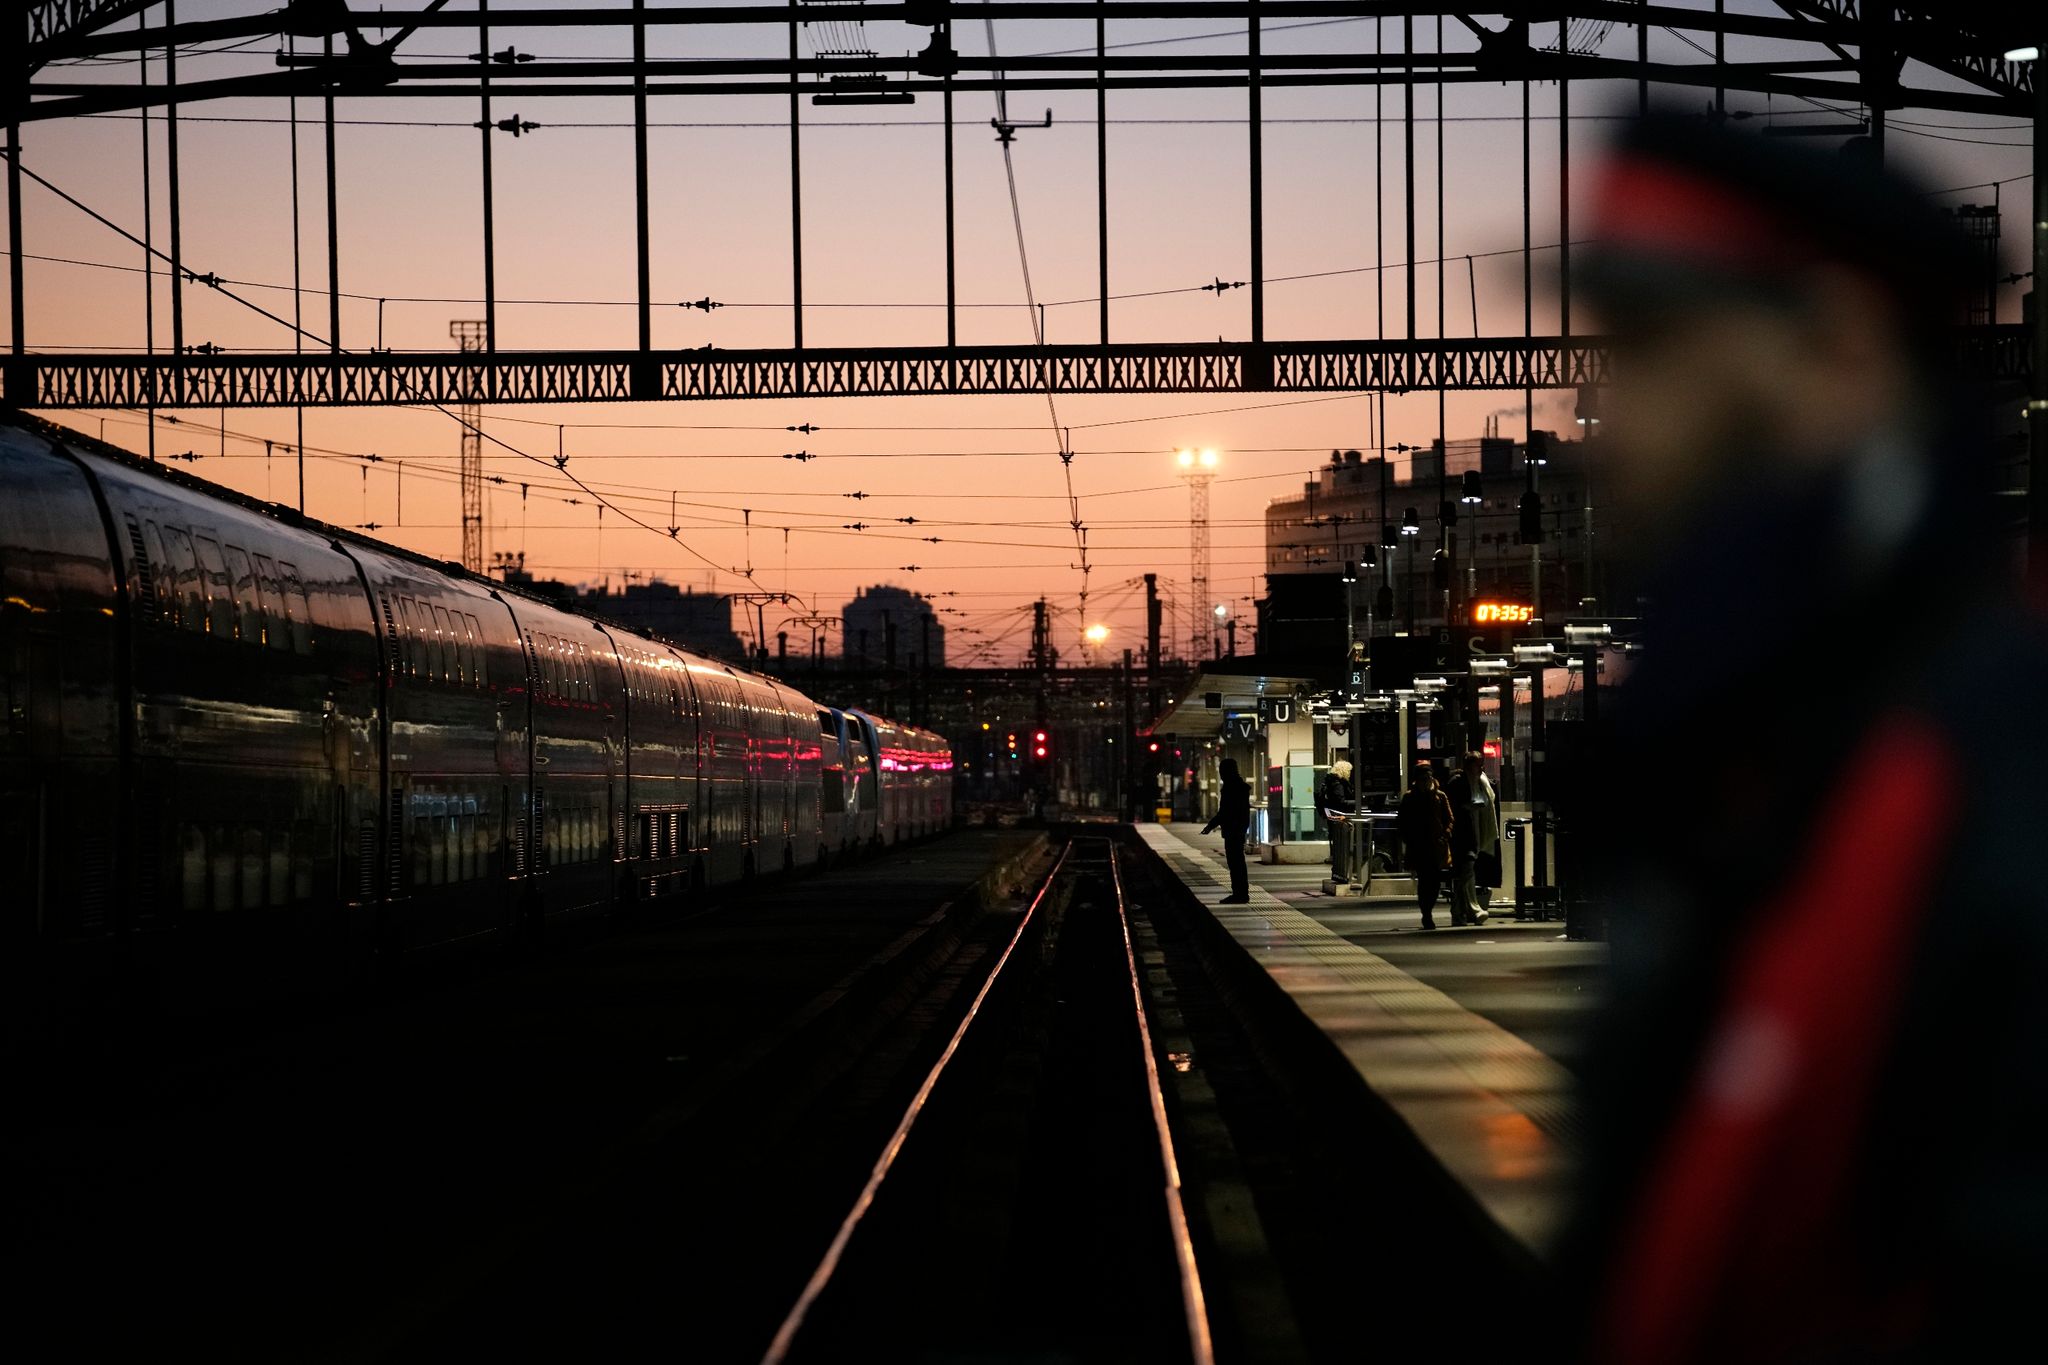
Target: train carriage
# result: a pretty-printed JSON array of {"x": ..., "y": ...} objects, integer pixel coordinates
[
  {"x": 253, "y": 687},
  {"x": 454, "y": 731},
  {"x": 230, "y": 730},
  {"x": 660, "y": 844}
]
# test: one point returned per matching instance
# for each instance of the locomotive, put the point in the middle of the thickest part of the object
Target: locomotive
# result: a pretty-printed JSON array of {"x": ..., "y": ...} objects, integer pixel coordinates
[{"x": 229, "y": 725}]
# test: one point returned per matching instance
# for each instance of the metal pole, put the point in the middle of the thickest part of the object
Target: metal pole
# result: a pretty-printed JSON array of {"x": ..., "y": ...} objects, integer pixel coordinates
[
  {"x": 1408, "y": 160},
  {"x": 333, "y": 239},
  {"x": 483, "y": 37},
  {"x": 796, "y": 190},
  {"x": 1642, "y": 69},
  {"x": 1256, "y": 118},
  {"x": 16, "y": 313},
  {"x": 1564, "y": 201},
  {"x": 171, "y": 169},
  {"x": 1538, "y": 844},
  {"x": 1447, "y": 539},
  {"x": 148, "y": 249},
  {"x": 298, "y": 290},
  {"x": 952, "y": 260},
  {"x": 1720, "y": 56},
  {"x": 1379, "y": 212},
  {"x": 2037, "y": 424},
  {"x": 1102, "y": 176},
  {"x": 644, "y": 275}
]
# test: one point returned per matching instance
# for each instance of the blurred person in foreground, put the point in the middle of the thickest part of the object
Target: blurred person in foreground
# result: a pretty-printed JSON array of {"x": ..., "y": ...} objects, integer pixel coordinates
[{"x": 1818, "y": 1098}]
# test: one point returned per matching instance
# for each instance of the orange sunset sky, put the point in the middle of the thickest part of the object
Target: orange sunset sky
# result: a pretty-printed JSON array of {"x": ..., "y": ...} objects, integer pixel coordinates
[{"x": 982, "y": 474}]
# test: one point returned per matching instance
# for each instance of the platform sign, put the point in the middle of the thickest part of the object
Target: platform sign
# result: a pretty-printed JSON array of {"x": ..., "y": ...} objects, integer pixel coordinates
[
  {"x": 1357, "y": 677},
  {"x": 1276, "y": 710},
  {"x": 1240, "y": 725}
]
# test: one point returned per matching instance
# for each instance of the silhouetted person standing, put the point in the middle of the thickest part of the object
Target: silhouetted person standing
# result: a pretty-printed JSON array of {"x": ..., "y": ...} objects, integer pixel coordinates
[
  {"x": 1338, "y": 797},
  {"x": 1234, "y": 814},
  {"x": 1817, "y": 1101},
  {"x": 1475, "y": 841},
  {"x": 1424, "y": 817}
]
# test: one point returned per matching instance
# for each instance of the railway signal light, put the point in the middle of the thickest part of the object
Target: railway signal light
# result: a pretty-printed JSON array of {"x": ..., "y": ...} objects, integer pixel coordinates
[{"x": 1038, "y": 744}]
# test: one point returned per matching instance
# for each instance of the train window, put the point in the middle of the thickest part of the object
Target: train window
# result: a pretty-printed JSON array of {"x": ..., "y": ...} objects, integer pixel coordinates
[
  {"x": 221, "y": 857},
  {"x": 166, "y": 576},
  {"x": 191, "y": 599},
  {"x": 274, "y": 633},
  {"x": 213, "y": 579},
  {"x": 298, "y": 611},
  {"x": 192, "y": 867},
  {"x": 302, "y": 860},
  {"x": 280, "y": 864},
  {"x": 474, "y": 633},
  {"x": 825, "y": 726},
  {"x": 452, "y": 667},
  {"x": 408, "y": 637},
  {"x": 163, "y": 574},
  {"x": 248, "y": 611},
  {"x": 253, "y": 860},
  {"x": 422, "y": 852},
  {"x": 435, "y": 642}
]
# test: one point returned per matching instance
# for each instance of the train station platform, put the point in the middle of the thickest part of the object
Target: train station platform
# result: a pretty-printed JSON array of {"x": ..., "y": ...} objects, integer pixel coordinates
[{"x": 1467, "y": 1035}]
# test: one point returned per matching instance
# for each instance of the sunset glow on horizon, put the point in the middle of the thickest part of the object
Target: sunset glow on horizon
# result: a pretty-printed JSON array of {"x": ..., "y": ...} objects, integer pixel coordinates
[{"x": 964, "y": 499}]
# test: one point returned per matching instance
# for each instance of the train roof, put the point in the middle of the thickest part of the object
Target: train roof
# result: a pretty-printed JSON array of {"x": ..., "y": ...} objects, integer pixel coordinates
[
  {"x": 292, "y": 516},
  {"x": 58, "y": 434}
]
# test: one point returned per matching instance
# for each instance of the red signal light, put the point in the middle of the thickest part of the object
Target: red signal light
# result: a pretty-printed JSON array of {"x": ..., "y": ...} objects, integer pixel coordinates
[
  {"x": 1491, "y": 748},
  {"x": 1153, "y": 746},
  {"x": 1039, "y": 751},
  {"x": 1039, "y": 737}
]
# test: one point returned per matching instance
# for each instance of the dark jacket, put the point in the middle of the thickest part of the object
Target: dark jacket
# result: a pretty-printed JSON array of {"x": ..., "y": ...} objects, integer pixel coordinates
[
  {"x": 1425, "y": 820},
  {"x": 1234, "y": 810},
  {"x": 1337, "y": 794},
  {"x": 1878, "y": 1189}
]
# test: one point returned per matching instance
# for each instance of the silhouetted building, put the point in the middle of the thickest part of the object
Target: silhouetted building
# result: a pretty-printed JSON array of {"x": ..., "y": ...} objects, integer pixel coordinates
[
  {"x": 696, "y": 621},
  {"x": 699, "y": 621},
  {"x": 889, "y": 627},
  {"x": 1339, "y": 518}
]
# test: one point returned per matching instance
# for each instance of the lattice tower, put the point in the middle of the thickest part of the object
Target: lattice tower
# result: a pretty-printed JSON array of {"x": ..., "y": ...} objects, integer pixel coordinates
[
  {"x": 470, "y": 336},
  {"x": 1202, "y": 625}
]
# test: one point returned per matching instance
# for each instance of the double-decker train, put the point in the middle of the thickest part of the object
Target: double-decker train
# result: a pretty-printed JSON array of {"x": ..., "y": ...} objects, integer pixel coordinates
[{"x": 222, "y": 723}]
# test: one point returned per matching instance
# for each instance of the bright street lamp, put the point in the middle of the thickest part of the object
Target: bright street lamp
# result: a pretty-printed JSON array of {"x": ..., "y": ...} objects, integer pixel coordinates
[{"x": 1095, "y": 634}]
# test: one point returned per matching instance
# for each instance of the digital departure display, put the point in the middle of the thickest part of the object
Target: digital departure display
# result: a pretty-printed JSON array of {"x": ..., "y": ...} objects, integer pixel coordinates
[{"x": 1501, "y": 613}]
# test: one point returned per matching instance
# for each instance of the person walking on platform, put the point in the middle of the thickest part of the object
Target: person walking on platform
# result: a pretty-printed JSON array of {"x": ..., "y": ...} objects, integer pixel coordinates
[
  {"x": 1815, "y": 1098},
  {"x": 1234, "y": 814},
  {"x": 1337, "y": 802},
  {"x": 1475, "y": 841},
  {"x": 1424, "y": 817}
]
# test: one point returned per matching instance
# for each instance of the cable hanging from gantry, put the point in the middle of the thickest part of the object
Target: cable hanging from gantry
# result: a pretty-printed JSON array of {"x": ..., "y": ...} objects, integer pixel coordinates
[{"x": 837, "y": 30}]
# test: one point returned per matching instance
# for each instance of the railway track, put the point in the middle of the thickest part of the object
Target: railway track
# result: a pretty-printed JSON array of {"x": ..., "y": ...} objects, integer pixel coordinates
[{"x": 1027, "y": 1202}]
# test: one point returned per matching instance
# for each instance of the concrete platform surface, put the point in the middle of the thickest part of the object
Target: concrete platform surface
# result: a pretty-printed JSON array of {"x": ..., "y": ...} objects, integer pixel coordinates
[{"x": 1467, "y": 1034}]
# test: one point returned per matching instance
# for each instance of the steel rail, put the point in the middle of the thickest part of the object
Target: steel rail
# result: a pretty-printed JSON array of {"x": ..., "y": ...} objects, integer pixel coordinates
[
  {"x": 785, "y": 1335},
  {"x": 1200, "y": 1344}
]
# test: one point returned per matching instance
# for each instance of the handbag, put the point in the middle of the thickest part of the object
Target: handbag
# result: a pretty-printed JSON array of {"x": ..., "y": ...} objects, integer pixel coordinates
[{"x": 1487, "y": 870}]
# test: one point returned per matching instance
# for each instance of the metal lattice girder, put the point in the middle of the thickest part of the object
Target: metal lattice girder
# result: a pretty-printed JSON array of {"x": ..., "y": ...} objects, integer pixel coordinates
[
  {"x": 49, "y": 20},
  {"x": 1998, "y": 354}
]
